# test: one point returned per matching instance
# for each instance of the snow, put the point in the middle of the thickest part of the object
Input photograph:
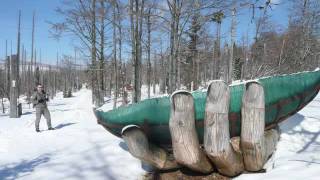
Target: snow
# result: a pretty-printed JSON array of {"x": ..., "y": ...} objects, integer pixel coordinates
[{"x": 79, "y": 148}]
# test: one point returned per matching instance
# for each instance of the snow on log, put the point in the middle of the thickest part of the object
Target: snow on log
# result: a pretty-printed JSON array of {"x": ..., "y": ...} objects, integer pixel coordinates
[
  {"x": 140, "y": 148},
  {"x": 185, "y": 143},
  {"x": 216, "y": 131},
  {"x": 256, "y": 145}
]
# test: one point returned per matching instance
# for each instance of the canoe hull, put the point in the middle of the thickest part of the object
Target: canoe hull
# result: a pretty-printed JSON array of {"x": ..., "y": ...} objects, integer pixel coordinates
[{"x": 152, "y": 115}]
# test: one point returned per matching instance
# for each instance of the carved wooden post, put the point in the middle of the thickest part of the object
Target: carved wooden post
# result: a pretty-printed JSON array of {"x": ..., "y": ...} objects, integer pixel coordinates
[
  {"x": 256, "y": 144},
  {"x": 185, "y": 143},
  {"x": 140, "y": 148},
  {"x": 216, "y": 130}
]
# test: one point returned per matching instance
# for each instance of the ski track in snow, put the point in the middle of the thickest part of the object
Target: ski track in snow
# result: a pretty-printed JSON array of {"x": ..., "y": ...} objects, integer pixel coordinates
[{"x": 79, "y": 148}]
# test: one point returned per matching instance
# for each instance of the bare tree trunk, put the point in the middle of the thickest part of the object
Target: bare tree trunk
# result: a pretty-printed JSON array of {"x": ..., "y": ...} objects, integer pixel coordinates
[
  {"x": 139, "y": 47},
  {"x": 102, "y": 41},
  {"x": 133, "y": 49},
  {"x": 162, "y": 71},
  {"x": 121, "y": 75},
  {"x": 154, "y": 73},
  {"x": 8, "y": 70},
  {"x": 94, "y": 80},
  {"x": 174, "y": 28},
  {"x": 136, "y": 28},
  {"x": 148, "y": 51},
  {"x": 233, "y": 34},
  {"x": 217, "y": 52},
  {"x": 32, "y": 49},
  {"x": 115, "y": 63},
  {"x": 36, "y": 73}
]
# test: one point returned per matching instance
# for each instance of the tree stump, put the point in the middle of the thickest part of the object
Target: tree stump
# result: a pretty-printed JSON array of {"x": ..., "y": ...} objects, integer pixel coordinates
[
  {"x": 185, "y": 143},
  {"x": 256, "y": 144},
  {"x": 216, "y": 130}
]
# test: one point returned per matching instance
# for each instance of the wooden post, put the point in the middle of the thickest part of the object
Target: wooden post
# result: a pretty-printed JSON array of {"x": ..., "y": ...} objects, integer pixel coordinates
[
  {"x": 140, "y": 148},
  {"x": 14, "y": 87},
  {"x": 216, "y": 130},
  {"x": 185, "y": 143},
  {"x": 256, "y": 144}
]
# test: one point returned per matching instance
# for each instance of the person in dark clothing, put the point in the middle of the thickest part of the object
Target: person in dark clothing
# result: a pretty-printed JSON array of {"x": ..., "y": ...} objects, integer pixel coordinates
[{"x": 39, "y": 100}]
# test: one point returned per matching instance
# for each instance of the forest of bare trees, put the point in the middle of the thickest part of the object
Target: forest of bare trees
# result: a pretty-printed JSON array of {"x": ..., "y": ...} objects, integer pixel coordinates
[
  {"x": 20, "y": 74},
  {"x": 167, "y": 43}
]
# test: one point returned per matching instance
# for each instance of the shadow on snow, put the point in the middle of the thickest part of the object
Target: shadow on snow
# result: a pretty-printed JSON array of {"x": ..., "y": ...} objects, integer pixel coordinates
[
  {"x": 296, "y": 120},
  {"x": 64, "y": 125},
  {"x": 24, "y": 168}
]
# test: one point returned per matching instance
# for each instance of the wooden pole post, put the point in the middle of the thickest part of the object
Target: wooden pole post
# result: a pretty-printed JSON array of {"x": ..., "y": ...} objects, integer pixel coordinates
[
  {"x": 256, "y": 144},
  {"x": 216, "y": 130},
  {"x": 14, "y": 87},
  {"x": 185, "y": 143},
  {"x": 140, "y": 148}
]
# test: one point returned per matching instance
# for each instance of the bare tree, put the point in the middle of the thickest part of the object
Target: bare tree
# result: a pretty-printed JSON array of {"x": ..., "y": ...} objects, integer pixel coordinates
[{"x": 136, "y": 20}]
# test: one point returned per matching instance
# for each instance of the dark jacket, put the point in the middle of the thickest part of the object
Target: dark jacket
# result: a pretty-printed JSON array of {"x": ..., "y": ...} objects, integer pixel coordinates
[{"x": 39, "y": 99}]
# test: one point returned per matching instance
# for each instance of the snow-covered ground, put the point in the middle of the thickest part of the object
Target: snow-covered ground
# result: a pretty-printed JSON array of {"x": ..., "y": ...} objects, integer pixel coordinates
[{"x": 79, "y": 148}]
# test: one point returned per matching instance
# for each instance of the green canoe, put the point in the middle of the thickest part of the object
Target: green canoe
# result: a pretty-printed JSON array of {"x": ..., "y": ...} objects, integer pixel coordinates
[{"x": 284, "y": 96}]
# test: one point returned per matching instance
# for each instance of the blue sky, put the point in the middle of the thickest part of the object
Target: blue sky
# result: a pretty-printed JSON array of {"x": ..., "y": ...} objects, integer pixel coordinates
[
  {"x": 49, "y": 46},
  {"x": 44, "y": 11}
]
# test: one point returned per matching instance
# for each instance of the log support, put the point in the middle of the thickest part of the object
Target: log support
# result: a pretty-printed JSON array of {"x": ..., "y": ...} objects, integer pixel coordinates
[
  {"x": 185, "y": 143},
  {"x": 216, "y": 131},
  {"x": 256, "y": 144},
  {"x": 140, "y": 148}
]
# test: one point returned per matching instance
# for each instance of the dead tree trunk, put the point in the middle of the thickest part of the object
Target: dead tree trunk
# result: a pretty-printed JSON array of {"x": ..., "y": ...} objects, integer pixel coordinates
[
  {"x": 8, "y": 73},
  {"x": 94, "y": 76},
  {"x": 115, "y": 62},
  {"x": 163, "y": 71},
  {"x": 217, "y": 53},
  {"x": 154, "y": 74},
  {"x": 121, "y": 68},
  {"x": 32, "y": 48},
  {"x": 233, "y": 34},
  {"x": 102, "y": 42},
  {"x": 149, "y": 51},
  {"x": 136, "y": 18}
]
